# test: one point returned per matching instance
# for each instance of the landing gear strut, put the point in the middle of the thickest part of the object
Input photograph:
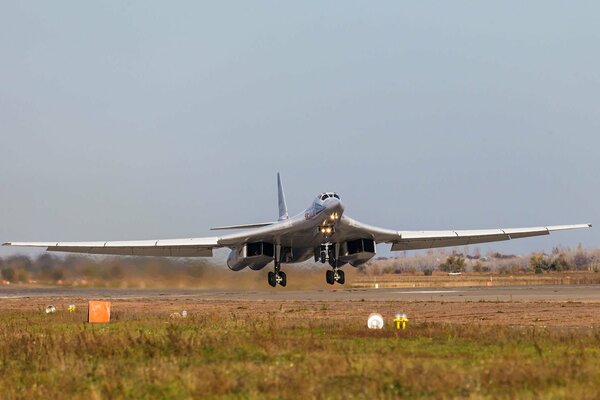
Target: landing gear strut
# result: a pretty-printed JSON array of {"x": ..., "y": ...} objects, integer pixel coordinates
[{"x": 324, "y": 252}]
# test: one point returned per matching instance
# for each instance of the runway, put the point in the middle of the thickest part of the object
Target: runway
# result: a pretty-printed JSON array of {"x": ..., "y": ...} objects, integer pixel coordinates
[{"x": 550, "y": 293}]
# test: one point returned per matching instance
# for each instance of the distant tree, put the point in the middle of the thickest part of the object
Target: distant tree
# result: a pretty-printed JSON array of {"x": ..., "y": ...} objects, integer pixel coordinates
[
  {"x": 89, "y": 271},
  {"x": 373, "y": 269},
  {"x": 427, "y": 261},
  {"x": 57, "y": 274},
  {"x": 581, "y": 258},
  {"x": 116, "y": 272},
  {"x": 46, "y": 262},
  {"x": 478, "y": 267},
  {"x": 18, "y": 262},
  {"x": 453, "y": 263},
  {"x": 8, "y": 274},
  {"x": 560, "y": 263},
  {"x": 22, "y": 276},
  {"x": 539, "y": 263},
  {"x": 504, "y": 270},
  {"x": 390, "y": 269}
]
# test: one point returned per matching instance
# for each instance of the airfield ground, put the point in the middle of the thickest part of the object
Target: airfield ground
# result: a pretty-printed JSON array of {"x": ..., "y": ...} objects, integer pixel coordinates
[{"x": 486, "y": 342}]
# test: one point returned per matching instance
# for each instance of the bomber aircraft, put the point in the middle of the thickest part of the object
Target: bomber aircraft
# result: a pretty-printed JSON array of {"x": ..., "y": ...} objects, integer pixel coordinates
[{"x": 322, "y": 231}]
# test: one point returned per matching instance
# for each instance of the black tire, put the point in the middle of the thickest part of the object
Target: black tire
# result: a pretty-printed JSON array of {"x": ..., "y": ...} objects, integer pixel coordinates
[
  {"x": 283, "y": 279},
  {"x": 322, "y": 257},
  {"x": 329, "y": 277},
  {"x": 342, "y": 277},
  {"x": 271, "y": 278}
]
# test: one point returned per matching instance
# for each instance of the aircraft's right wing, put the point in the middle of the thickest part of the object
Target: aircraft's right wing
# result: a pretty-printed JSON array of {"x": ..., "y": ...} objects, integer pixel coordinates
[
  {"x": 194, "y": 247},
  {"x": 416, "y": 240}
]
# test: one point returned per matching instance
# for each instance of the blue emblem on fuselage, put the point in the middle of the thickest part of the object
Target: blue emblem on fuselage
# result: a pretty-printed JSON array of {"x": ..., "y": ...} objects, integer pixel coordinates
[{"x": 315, "y": 209}]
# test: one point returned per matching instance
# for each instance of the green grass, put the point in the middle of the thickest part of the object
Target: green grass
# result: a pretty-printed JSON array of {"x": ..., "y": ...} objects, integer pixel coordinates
[{"x": 287, "y": 355}]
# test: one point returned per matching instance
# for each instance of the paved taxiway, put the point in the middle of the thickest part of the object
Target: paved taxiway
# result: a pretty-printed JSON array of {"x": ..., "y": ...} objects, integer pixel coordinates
[{"x": 575, "y": 293}]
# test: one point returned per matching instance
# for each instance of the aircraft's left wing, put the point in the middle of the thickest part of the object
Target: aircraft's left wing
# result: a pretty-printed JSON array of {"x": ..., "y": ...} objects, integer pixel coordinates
[
  {"x": 416, "y": 240},
  {"x": 193, "y": 247}
]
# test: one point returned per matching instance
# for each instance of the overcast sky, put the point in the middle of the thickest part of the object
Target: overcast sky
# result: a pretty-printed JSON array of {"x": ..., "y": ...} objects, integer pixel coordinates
[{"x": 145, "y": 120}]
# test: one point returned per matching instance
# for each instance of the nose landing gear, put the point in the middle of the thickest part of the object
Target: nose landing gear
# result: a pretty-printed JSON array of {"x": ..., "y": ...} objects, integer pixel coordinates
[
  {"x": 328, "y": 252},
  {"x": 324, "y": 251}
]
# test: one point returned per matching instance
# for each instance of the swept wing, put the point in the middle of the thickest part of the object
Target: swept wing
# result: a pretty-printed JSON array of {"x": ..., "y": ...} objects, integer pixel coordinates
[
  {"x": 415, "y": 240},
  {"x": 193, "y": 247}
]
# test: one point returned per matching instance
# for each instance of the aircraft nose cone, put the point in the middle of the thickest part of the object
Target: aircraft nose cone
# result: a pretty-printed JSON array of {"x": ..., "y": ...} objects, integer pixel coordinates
[{"x": 334, "y": 205}]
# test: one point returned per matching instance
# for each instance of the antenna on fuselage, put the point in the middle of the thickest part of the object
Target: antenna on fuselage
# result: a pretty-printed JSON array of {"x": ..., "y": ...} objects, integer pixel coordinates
[{"x": 283, "y": 212}]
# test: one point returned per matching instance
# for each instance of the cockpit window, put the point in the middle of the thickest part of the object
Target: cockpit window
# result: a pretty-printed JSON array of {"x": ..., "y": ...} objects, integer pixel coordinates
[{"x": 324, "y": 196}]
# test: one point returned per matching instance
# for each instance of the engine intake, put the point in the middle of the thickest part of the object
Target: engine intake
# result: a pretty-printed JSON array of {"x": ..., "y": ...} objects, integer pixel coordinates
[
  {"x": 254, "y": 255},
  {"x": 357, "y": 252}
]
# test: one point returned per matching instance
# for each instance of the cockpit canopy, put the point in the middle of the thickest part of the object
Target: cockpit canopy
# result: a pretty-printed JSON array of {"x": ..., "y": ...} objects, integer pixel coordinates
[{"x": 327, "y": 195}]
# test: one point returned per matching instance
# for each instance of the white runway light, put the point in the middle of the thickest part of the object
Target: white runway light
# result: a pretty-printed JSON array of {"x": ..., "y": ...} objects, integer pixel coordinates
[{"x": 375, "y": 321}]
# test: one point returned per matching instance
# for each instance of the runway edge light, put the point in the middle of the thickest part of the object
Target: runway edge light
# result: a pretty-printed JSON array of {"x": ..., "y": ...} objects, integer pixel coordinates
[
  {"x": 375, "y": 321},
  {"x": 400, "y": 320}
]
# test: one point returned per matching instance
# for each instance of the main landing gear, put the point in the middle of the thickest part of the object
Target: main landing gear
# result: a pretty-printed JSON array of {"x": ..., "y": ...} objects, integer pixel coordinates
[
  {"x": 335, "y": 275},
  {"x": 277, "y": 276}
]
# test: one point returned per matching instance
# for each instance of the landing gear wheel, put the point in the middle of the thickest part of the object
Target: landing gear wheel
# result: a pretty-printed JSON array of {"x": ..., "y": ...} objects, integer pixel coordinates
[
  {"x": 323, "y": 257},
  {"x": 277, "y": 276},
  {"x": 272, "y": 278},
  {"x": 329, "y": 277},
  {"x": 341, "y": 277},
  {"x": 283, "y": 279}
]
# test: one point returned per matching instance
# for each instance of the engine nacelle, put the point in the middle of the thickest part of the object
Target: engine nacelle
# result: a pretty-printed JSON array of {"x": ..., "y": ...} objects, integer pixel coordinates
[
  {"x": 254, "y": 255},
  {"x": 357, "y": 252}
]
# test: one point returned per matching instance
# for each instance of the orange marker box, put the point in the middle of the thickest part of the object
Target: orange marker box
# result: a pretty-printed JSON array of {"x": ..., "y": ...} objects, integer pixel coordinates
[{"x": 98, "y": 312}]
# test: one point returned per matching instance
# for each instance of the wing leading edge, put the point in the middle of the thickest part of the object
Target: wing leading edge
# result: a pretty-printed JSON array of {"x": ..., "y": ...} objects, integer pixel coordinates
[{"x": 193, "y": 247}]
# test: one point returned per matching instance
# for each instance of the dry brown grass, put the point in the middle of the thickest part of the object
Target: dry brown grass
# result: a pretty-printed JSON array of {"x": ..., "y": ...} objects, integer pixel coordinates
[{"x": 228, "y": 349}]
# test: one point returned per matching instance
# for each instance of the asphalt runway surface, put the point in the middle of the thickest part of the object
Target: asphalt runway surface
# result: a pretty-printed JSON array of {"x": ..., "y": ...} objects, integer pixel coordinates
[{"x": 550, "y": 293}]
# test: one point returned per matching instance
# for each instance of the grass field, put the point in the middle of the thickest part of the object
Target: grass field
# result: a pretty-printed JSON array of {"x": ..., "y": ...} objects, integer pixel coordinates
[{"x": 300, "y": 350}]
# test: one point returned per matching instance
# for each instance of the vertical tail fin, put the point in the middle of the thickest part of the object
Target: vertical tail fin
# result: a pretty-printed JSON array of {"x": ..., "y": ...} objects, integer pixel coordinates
[{"x": 283, "y": 212}]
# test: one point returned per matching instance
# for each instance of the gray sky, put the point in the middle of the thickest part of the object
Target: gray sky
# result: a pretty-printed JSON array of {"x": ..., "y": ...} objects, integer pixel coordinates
[{"x": 140, "y": 120}]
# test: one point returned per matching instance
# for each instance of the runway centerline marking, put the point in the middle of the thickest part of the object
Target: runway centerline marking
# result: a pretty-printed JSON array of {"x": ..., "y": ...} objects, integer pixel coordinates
[{"x": 430, "y": 291}]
